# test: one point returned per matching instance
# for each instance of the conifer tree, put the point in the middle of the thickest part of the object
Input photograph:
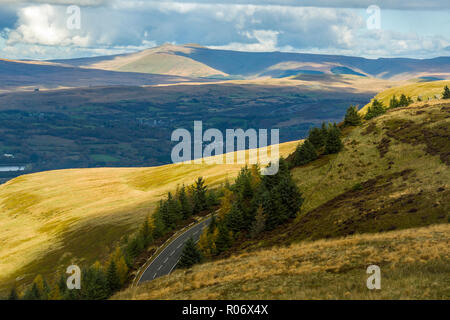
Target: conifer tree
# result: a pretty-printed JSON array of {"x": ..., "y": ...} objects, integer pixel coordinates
[
  {"x": 446, "y": 93},
  {"x": 32, "y": 293},
  {"x": 404, "y": 101},
  {"x": 352, "y": 117},
  {"x": 199, "y": 195},
  {"x": 317, "y": 136},
  {"x": 185, "y": 205},
  {"x": 95, "y": 285},
  {"x": 235, "y": 219},
  {"x": 375, "y": 110},
  {"x": 112, "y": 278},
  {"x": 393, "y": 103},
  {"x": 190, "y": 255},
  {"x": 259, "y": 224},
  {"x": 333, "y": 143},
  {"x": 305, "y": 153},
  {"x": 223, "y": 240}
]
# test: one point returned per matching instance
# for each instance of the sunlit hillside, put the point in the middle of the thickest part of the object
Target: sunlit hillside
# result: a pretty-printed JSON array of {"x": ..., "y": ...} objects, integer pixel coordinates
[
  {"x": 425, "y": 90},
  {"x": 49, "y": 219},
  {"x": 414, "y": 264}
]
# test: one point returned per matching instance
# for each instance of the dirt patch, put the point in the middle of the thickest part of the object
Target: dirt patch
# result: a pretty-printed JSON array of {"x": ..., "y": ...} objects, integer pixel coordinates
[{"x": 383, "y": 146}]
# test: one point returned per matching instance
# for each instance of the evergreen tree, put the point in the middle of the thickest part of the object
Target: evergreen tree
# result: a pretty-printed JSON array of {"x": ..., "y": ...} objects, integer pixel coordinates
[
  {"x": 274, "y": 209},
  {"x": 375, "y": 110},
  {"x": 185, "y": 205},
  {"x": 190, "y": 255},
  {"x": 446, "y": 93},
  {"x": 393, "y": 103},
  {"x": 318, "y": 136},
  {"x": 305, "y": 153},
  {"x": 223, "y": 240},
  {"x": 32, "y": 293},
  {"x": 13, "y": 294},
  {"x": 259, "y": 224},
  {"x": 333, "y": 143},
  {"x": 199, "y": 195},
  {"x": 112, "y": 278},
  {"x": 146, "y": 232},
  {"x": 291, "y": 196},
  {"x": 95, "y": 285},
  {"x": 352, "y": 117},
  {"x": 235, "y": 220},
  {"x": 404, "y": 101}
]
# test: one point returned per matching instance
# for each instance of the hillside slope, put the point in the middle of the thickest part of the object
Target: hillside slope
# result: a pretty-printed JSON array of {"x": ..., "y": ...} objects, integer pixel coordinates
[
  {"x": 425, "y": 90},
  {"x": 392, "y": 174},
  {"x": 51, "y": 219},
  {"x": 414, "y": 264}
]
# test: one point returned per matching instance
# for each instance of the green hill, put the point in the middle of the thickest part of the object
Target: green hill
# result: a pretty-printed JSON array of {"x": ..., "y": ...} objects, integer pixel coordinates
[{"x": 382, "y": 200}]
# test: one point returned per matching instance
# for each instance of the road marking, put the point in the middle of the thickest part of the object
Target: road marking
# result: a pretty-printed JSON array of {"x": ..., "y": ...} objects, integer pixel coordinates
[
  {"x": 172, "y": 253},
  {"x": 174, "y": 266},
  {"x": 160, "y": 267},
  {"x": 142, "y": 274},
  {"x": 154, "y": 276},
  {"x": 166, "y": 259}
]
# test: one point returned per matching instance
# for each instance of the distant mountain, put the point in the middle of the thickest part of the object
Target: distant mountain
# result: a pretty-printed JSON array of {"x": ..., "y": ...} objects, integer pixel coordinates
[
  {"x": 196, "y": 61},
  {"x": 22, "y": 74}
]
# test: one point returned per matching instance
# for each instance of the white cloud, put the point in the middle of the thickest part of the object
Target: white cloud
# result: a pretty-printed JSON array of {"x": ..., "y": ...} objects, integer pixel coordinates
[{"x": 45, "y": 25}]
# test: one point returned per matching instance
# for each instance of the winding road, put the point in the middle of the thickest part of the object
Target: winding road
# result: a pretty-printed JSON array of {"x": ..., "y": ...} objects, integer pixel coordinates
[{"x": 168, "y": 258}]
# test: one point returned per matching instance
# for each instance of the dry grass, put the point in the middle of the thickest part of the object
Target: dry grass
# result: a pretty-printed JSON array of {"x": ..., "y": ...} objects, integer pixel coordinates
[
  {"x": 414, "y": 265},
  {"x": 427, "y": 90},
  {"x": 55, "y": 217}
]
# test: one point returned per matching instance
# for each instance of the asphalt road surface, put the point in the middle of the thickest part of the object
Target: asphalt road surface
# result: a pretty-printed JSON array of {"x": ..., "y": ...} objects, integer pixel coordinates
[{"x": 167, "y": 259}]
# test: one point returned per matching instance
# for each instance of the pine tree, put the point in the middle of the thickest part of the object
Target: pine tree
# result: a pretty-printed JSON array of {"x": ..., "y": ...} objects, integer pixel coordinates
[
  {"x": 112, "y": 278},
  {"x": 404, "y": 101},
  {"x": 393, "y": 103},
  {"x": 62, "y": 285},
  {"x": 206, "y": 243},
  {"x": 223, "y": 240},
  {"x": 305, "y": 153},
  {"x": 199, "y": 195},
  {"x": 317, "y": 137},
  {"x": 333, "y": 143},
  {"x": 375, "y": 110},
  {"x": 259, "y": 224},
  {"x": 185, "y": 205},
  {"x": 13, "y": 294},
  {"x": 190, "y": 255},
  {"x": 146, "y": 232},
  {"x": 291, "y": 196},
  {"x": 352, "y": 117},
  {"x": 32, "y": 293},
  {"x": 446, "y": 93},
  {"x": 235, "y": 220},
  {"x": 95, "y": 285}
]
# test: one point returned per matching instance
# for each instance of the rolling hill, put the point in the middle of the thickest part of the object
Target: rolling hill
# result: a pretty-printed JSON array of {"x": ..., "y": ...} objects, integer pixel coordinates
[
  {"x": 26, "y": 75},
  {"x": 53, "y": 218},
  {"x": 382, "y": 200},
  {"x": 194, "y": 61}
]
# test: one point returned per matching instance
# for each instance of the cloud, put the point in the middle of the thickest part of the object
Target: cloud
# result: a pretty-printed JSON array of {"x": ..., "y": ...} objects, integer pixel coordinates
[
  {"x": 60, "y": 2},
  {"x": 45, "y": 25},
  {"x": 40, "y": 30}
]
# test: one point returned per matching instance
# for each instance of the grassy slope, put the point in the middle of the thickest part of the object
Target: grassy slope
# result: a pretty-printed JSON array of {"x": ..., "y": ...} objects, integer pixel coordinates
[
  {"x": 427, "y": 90},
  {"x": 400, "y": 165},
  {"x": 414, "y": 265},
  {"x": 50, "y": 219}
]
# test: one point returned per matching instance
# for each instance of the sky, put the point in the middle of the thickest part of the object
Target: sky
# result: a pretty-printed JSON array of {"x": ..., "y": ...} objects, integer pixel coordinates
[{"x": 61, "y": 29}]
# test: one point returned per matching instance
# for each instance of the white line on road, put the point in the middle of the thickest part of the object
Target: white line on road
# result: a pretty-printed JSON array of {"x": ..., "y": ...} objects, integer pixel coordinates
[
  {"x": 160, "y": 267},
  {"x": 171, "y": 254},
  {"x": 166, "y": 259},
  {"x": 154, "y": 276}
]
